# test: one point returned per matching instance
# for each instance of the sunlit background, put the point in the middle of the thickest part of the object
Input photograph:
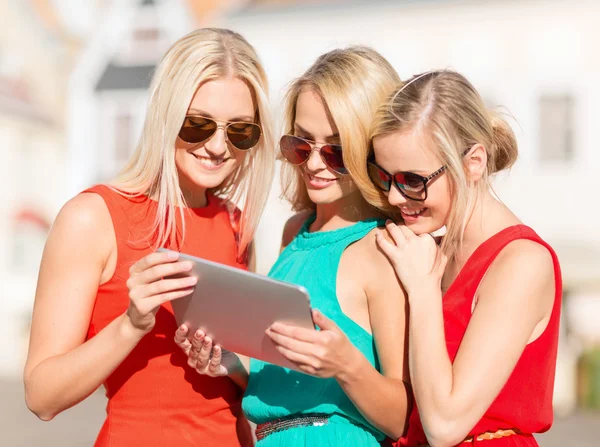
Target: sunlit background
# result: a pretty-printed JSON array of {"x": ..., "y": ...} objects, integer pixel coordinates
[{"x": 73, "y": 89}]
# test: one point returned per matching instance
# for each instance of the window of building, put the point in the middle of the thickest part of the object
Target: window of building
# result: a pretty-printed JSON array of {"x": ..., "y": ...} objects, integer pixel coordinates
[
  {"x": 123, "y": 137},
  {"x": 556, "y": 128}
]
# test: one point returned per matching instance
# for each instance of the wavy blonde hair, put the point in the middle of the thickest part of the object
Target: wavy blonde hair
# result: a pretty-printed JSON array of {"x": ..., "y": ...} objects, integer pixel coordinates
[
  {"x": 452, "y": 116},
  {"x": 200, "y": 56},
  {"x": 351, "y": 82}
]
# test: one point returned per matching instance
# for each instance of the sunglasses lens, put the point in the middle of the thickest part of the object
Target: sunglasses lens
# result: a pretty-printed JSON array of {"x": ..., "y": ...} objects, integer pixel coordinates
[
  {"x": 332, "y": 154},
  {"x": 244, "y": 136},
  {"x": 294, "y": 149},
  {"x": 379, "y": 178},
  {"x": 411, "y": 184},
  {"x": 196, "y": 129}
]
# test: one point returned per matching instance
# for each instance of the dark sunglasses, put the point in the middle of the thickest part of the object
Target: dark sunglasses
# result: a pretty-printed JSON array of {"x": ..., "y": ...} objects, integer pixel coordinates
[
  {"x": 242, "y": 135},
  {"x": 412, "y": 186},
  {"x": 297, "y": 151}
]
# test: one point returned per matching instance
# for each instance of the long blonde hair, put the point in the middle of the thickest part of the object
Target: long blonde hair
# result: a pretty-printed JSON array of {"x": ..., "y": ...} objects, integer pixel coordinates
[
  {"x": 200, "y": 56},
  {"x": 351, "y": 82},
  {"x": 450, "y": 113}
]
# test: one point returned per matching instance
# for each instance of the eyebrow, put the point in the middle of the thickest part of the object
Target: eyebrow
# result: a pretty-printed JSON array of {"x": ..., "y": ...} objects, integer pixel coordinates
[
  {"x": 305, "y": 132},
  {"x": 205, "y": 114}
]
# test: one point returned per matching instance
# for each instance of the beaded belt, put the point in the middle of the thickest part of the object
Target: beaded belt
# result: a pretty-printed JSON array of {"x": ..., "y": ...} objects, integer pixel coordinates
[
  {"x": 488, "y": 436},
  {"x": 292, "y": 421},
  {"x": 493, "y": 435}
]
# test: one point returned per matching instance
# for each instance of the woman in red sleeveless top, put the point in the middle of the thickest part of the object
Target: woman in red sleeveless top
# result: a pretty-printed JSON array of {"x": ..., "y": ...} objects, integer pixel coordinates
[
  {"x": 102, "y": 311},
  {"x": 485, "y": 305}
]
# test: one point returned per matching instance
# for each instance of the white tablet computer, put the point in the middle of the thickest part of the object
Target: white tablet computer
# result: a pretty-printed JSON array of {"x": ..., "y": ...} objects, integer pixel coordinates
[{"x": 235, "y": 307}]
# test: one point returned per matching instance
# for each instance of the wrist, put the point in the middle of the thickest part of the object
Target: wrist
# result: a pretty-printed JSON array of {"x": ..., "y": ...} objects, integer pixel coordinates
[
  {"x": 239, "y": 375},
  {"x": 240, "y": 378},
  {"x": 129, "y": 331},
  {"x": 351, "y": 368}
]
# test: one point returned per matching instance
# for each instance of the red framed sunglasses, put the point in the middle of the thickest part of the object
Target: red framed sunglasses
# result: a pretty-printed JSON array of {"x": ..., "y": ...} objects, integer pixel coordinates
[
  {"x": 412, "y": 186},
  {"x": 297, "y": 151}
]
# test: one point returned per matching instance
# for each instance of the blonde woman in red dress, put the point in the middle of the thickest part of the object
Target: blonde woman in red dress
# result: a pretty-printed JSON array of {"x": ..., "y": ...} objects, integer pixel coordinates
[
  {"x": 485, "y": 305},
  {"x": 102, "y": 311}
]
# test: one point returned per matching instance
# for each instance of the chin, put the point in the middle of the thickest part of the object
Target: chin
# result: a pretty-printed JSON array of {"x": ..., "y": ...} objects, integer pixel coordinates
[
  {"x": 203, "y": 179},
  {"x": 323, "y": 196},
  {"x": 209, "y": 182},
  {"x": 423, "y": 226}
]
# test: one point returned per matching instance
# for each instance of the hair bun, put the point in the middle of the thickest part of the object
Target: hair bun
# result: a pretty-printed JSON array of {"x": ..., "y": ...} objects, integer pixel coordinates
[{"x": 504, "y": 150}]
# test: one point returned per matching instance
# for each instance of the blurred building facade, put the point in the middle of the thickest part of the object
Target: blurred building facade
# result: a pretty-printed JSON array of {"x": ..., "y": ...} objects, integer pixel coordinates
[
  {"x": 35, "y": 59},
  {"x": 73, "y": 84},
  {"x": 77, "y": 124}
]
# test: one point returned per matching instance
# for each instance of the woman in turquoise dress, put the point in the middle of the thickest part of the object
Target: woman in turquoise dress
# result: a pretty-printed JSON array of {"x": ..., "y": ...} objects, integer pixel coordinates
[{"x": 352, "y": 390}]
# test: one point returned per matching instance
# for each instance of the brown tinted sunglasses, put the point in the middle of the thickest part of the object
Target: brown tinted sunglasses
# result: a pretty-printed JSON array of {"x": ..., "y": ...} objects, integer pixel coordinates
[{"x": 241, "y": 134}]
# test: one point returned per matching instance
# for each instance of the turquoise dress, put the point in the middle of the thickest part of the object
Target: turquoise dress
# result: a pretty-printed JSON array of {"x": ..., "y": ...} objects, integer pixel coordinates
[{"x": 273, "y": 392}]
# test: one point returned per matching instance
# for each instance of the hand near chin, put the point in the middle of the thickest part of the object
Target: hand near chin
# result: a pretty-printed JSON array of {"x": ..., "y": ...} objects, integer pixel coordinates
[{"x": 417, "y": 260}]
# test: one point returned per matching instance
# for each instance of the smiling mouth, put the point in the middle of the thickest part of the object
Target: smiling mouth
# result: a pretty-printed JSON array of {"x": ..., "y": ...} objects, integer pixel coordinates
[
  {"x": 412, "y": 214},
  {"x": 319, "y": 180},
  {"x": 210, "y": 162}
]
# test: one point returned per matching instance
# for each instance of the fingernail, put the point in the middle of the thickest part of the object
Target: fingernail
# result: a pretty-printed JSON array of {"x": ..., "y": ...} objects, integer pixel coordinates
[
  {"x": 187, "y": 265},
  {"x": 181, "y": 329},
  {"x": 206, "y": 342},
  {"x": 198, "y": 335},
  {"x": 173, "y": 255},
  {"x": 388, "y": 221}
]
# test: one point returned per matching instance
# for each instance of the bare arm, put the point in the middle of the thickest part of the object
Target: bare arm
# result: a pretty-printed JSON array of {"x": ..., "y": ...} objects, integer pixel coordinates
[
  {"x": 517, "y": 293},
  {"x": 62, "y": 368},
  {"x": 382, "y": 398}
]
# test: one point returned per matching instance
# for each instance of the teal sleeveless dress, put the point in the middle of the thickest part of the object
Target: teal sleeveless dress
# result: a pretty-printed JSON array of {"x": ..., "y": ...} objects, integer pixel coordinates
[{"x": 273, "y": 392}]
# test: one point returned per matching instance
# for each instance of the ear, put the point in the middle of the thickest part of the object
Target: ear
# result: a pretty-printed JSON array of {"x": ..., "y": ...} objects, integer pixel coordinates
[{"x": 476, "y": 162}]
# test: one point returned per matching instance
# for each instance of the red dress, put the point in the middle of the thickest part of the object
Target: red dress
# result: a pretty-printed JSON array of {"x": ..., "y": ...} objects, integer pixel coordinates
[
  {"x": 154, "y": 398},
  {"x": 525, "y": 401}
]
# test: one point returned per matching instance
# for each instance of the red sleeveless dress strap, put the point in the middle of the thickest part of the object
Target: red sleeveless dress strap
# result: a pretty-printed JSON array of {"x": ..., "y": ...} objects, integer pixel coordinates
[
  {"x": 525, "y": 402},
  {"x": 154, "y": 398}
]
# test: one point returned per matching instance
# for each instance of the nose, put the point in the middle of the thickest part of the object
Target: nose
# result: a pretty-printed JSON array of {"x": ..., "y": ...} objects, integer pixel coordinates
[
  {"x": 314, "y": 162},
  {"x": 395, "y": 198},
  {"x": 217, "y": 144}
]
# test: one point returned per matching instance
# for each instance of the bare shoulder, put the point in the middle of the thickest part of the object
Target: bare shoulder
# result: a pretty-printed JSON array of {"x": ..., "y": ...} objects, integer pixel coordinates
[
  {"x": 84, "y": 222},
  {"x": 523, "y": 270},
  {"x": 380, "y": 277},
  {"x": 84, "y": 212},
  {"x": 523, "y": 258},
  {"x": 292, "y": 227}
]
